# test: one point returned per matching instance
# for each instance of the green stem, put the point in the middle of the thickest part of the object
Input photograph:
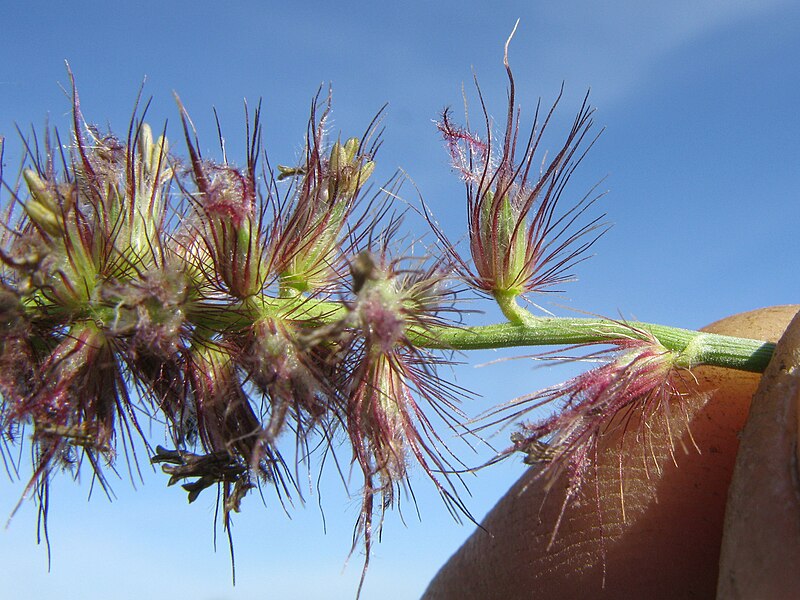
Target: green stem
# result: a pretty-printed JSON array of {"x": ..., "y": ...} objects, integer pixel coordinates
[
  {"x": 699, "y": 348},
  {"x": 516, "y": 314},
  {"x": 525, "y": 329}
]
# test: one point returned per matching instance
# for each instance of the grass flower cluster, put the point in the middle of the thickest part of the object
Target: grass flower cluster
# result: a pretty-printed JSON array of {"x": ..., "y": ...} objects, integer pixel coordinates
[{"x": 241, "y": 306}]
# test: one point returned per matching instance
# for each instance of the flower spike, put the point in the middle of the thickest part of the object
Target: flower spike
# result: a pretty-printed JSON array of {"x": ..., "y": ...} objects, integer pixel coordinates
[
  {"x": 214, "y": 300},
  {"x": 636, "y": 385},
  {"x": 519, "y": 241},
  {"x": 307, "y": 243},
  {"x": 389, "y": 383},
  {"x": 230, "y": 232}
]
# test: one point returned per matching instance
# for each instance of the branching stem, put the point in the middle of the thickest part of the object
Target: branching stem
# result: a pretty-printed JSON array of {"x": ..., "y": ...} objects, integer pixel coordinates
[{"x": 696, "y": 347}]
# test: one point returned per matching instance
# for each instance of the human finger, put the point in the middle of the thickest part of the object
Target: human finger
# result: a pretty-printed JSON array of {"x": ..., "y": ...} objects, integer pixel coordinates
[
  {"x": 648, "y": 522},
  {"x": 761, "y": 537}
]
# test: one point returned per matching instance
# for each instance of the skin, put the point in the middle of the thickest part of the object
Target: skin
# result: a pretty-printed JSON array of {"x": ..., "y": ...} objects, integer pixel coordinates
[{"x": 724, "y": 521}]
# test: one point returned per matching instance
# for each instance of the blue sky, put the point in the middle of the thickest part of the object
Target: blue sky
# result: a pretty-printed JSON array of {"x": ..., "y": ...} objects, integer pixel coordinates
[{"x": 700, "y": 159}]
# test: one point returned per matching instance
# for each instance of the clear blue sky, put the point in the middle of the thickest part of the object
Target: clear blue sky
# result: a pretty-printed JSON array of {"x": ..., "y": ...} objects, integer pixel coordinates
[{"x": 700, "y": 157}]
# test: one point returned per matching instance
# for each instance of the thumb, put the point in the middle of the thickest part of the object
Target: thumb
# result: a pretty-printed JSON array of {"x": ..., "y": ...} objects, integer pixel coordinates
[
  {"x": 761, "y": 540},
  {"x": 649, "y": 519}
]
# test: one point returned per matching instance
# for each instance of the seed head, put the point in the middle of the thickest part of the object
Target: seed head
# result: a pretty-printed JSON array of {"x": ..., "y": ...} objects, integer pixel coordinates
[
  {"x": 74, "y": 404},
  {"x": 519, "y": 240},
  {"x": 390, "y": 385},
  {"x": 75, "y": 269},
  {"x": 293, "y": 372},
  {"x": 308, "y": 244},
  {"x": 227, "y": 241},
  {"x": 636, "y": 385}
]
